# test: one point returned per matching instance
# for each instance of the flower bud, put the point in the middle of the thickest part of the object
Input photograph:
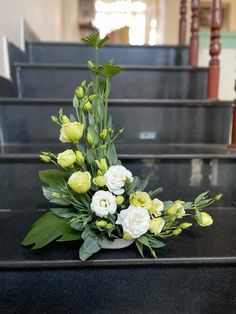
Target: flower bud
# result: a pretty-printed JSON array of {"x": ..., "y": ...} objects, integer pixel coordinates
[
  {"x": 66, "y": 159},
  {"x": 92, "y": 97},
  {"x": 205, "y": 221},
  {"x": 65, "y": 119},
  {"x": 156, "y": 225},
  {"x": 56, "y": 195},
  {"x": 79, "y": 157},
  {"x": 185, "y": 225},
  {"x": 99, "y": 181},
  {"x": 71, "y": 132},
  {"x": 104, "y": 134},
  {"x": 54, "y": 119},
  {"x": 177, "y": 231},
  {"x": 101, "y": 224},
  {"x": 45, "y": 157},
  {"x": 218, "y": 197},
  {"x": 89, "y": 139},
  {"x": 102, "y": 165},
  {"x": 109, "y": 226},
  {"x": 90, "y": 64},
  {"x": 140, "y": 199},
  {"x": 80, "y": 182},
  {"x": 127, "y": 236},
  {"x": 79, "y": 92},
  {"x": 87, "y": 106},
  {"x": 121, "y": 130},
  {"x": 119, "y": 200}
]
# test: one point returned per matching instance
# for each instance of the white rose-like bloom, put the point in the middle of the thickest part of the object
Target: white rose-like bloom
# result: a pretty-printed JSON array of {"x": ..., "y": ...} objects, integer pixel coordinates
[
  {"x": 103, "y": 203},
  {"x": 134, "y": 220},
  {"x": 115, "y": 178}
]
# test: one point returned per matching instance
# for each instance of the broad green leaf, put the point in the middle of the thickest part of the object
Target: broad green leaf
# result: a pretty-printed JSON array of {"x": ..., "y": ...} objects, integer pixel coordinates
[
  {"x": 64, "y": 212},
  {"x": 153, "y": 193},
  {"x": 48, "y": 228},
  {"x": 75, "y": 102},
  {"x": 52, "y": 177},
  {"x": 90, "y": 246},
  {"x": 154, "y": 243},
  {"x": 108, "y": 70},
  {"x": 112, "y": 155},
  {"x": 167, "y": 204}
]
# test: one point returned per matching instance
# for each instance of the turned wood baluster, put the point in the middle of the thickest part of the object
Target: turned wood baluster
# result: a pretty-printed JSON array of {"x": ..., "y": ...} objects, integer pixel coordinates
[
  {"x": 233, "y": 139},
  {"x": 215, "y": 48},
  {"x": 182, "y": 22},
  {"x": 194, "y": 40}
]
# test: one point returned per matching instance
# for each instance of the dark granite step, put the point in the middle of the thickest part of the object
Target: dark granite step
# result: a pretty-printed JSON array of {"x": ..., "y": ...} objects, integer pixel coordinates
[
  {"x": 6, "y": 88},
  {"x": 164, "y": 121},
  {"x": 58, "y": 52},
  {"x": 138, "y": 82},
  {"x": 195, "y": 273},
  {"x": 182, "y": 171}
]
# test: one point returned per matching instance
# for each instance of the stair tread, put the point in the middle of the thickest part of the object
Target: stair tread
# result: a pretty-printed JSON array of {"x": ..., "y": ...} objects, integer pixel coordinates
[
  {"x": 129, "y": 150},
  {"x": 195, "y": 246}
]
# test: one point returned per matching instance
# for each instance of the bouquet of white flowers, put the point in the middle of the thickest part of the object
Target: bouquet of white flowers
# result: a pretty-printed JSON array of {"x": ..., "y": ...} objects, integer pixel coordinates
[{"x": 100, "y": 203}]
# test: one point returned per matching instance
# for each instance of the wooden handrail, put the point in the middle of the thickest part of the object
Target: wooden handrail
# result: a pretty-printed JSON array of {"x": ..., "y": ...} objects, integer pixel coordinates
[
  {"x": 182, "y": 22},
  {"x": 194, "y": 40},
  {"x": 215, "y": 48},
  {"x": 233, "y": 137}
]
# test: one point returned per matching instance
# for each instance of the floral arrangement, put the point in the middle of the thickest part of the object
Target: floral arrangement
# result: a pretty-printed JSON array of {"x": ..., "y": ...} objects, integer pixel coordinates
[{"x": 98, "y": 202}]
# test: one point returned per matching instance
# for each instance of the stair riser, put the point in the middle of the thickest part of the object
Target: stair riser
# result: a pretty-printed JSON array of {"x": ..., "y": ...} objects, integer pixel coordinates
[
  {"x": 124, "y": 290},
  {"x": 30, "y": 123},
  {"x": 60, "y": 82},
  {"x": 77, "y": 54},
  {"x": 180, "y": 179}
]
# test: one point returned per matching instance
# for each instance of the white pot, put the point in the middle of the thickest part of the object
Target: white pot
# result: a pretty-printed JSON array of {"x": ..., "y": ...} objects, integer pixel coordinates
[{"x": 117, "y": 244}]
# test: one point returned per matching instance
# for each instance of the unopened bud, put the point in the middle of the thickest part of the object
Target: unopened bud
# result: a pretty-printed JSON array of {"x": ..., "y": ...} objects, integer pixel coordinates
[
  {"x": 79, "y": 92},
  {"x": 79, "y": 157},
  {"x": 54, "y": 118},
  {"x": 56, "y": 195},
  {"x": 119, "y": 200},
  {"x": 101, "y": 224},
  {"x": 90, "y": 64},
  {"x": 89, "y": 139},
  {"x": 185, "y": 225},
  {"x": 177, "y": 231},
  {"x": 87, "y": 106},
  {"x": 127, "y": 236},
  {"x": 99, "y": 181},
  {"x": 65, "y": 119},
  {"x": 104, "y": 134}
]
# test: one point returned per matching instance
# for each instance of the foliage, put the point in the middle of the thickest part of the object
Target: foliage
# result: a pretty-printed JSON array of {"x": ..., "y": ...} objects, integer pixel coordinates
[{"x": 86, "y": 170}]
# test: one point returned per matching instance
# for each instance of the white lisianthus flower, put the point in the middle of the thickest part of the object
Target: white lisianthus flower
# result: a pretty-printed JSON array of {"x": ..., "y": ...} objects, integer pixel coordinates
[
  {"x": 115, "y": 178},
  {"x": 134, "y": 220},
  {"x": 103, "y": 203}
]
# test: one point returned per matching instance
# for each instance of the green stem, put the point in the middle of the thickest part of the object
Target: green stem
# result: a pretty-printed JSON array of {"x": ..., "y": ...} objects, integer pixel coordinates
[
  {"x": 96, "y": 85},
  {"x": 106, "y": 102}
]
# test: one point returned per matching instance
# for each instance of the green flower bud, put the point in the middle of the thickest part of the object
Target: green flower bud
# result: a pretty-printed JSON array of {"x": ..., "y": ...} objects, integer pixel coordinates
[
  {"x": 185, "y": 225},
  {"x": 119, "y": 200},
  {"x": 66, "y": 159},
  {"x": 127, "y": 236},
  {"x": 99, "y": 181},
  {"x": 121, "y": 130},
  {"x": 65, "y": 119},
  {"x": 45, "y": 157},
  {"x": 56, "y": 195},
  {"x": 218, "y": 197},
  {"x": 102, "y": 165},
  {"x": 89, "y": 139},
  {"x": 104, "y": 134},
  {"x": 54, "y": 119},
  {"x": 92, "y": 97},
  {"x": 90, "y": 64},
  {"x": 109, "y": 226},
  {"x": 87, "y": 106},
  {"x": 79, "y": 92},
  {"x": 83, "y": 84},
  {"x": 79, "y": 157},
  {"x": 101, "y": 224},
  {"x": 177, "y": 231}
]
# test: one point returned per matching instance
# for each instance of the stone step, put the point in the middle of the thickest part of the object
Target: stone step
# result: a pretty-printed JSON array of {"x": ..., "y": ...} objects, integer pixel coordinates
[
  {"x": 164, "y": 121},
  {"x": 57, "y": 52},
  {"x": 198, "y": 261},
  {"x": 6, "y": 88},
  {"x": 139, "y": 82},
  {"x": 182, "y": 170}
]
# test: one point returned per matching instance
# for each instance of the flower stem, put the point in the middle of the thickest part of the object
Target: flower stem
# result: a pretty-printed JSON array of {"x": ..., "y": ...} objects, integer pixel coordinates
[{"x": 106, "y": 102}]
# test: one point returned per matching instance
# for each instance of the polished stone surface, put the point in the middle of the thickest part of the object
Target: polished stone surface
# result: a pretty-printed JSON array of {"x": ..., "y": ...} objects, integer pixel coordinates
[
  {"x": 41, "y": 52},
  {"x": 50, "y": 81},
  {"x": 193, "y": 121},
  {"x": 216, "y": 244},
  {"x": 6, "y": 88},
  {"x": 182, "y": 171}
]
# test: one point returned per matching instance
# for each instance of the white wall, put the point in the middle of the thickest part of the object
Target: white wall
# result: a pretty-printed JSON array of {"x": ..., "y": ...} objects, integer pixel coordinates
[{"x": 50, "y": 19}]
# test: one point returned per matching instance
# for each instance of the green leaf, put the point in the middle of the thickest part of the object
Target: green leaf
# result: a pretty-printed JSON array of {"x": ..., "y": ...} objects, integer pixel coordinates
[
  {"x": 112, "y": 155},
  {"x": 144, "y": 183},
  {"x": 154, "y": 243},
  {"x": 200, "y": 197},
  {"x": 52, "y": 176},
  {"x": 47, "y": 192},
  {"x": 109, "y": 70},
  {"x": 75, "y": 102},
  {"x": 90, "y": 246},
  {"x": 64, "y": 212},
  {"x": 94, "y": 40},
  {"x": 139, "y": 246},
  {"x": 48, "y": 228},
  {"x": 153, "y": 193}
]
